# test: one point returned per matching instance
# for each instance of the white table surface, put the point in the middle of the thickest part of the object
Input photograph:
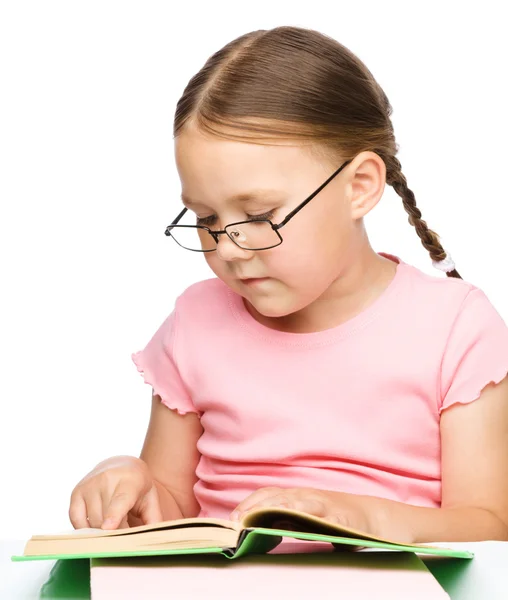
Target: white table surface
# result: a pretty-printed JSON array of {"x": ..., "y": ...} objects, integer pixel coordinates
[{"x": 483, "y": 578}]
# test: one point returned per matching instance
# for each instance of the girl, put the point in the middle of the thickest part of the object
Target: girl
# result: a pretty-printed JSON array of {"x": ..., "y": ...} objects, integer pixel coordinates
[{"x": 313, "y": 372}]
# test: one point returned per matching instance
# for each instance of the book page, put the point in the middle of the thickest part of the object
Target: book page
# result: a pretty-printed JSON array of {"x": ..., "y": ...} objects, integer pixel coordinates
[
  {"x": 161, "y": 539},
  {"x": 174, "y": 524},
  {"x": 293, "y": 520}
]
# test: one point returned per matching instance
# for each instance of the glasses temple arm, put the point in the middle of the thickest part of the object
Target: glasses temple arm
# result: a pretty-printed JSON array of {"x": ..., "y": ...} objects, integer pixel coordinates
[
  {"x": 315, "y": 193},
  {"x": 179, "y": 216}
]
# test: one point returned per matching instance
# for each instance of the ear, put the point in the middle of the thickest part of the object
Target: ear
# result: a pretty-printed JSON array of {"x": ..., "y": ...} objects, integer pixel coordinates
[{"x": 367, "y": 179}]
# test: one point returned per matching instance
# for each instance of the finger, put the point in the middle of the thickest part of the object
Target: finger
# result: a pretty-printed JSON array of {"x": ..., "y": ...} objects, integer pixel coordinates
[
  {"x": 150, "y": 511},
  {"x": 311, "y": 506},
  {"x": 334, "y": 518},
  {"x": 282, "y": 500},
  {"x": 77, "y": 511},
  {"x": 94, "y": 515},
  {"x": 253, "y": 499},
  {"x": 122, "y": 500},
  {"x": 124, "y": 524}
]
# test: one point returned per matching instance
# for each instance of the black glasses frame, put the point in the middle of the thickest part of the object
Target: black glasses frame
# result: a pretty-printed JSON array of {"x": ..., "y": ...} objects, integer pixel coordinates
[{"x": 275, "y": 227}]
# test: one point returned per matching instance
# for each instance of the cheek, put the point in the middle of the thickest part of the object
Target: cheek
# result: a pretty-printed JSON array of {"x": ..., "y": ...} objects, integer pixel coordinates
[
  {"x": 212, "y": 262},
  {"x": 310, "y": 254},
  {"x": 218, "y": 266}
]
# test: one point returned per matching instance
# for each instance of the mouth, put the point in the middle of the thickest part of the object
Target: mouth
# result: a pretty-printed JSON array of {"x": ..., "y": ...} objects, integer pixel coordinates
[{"x": 250, "y": 281}]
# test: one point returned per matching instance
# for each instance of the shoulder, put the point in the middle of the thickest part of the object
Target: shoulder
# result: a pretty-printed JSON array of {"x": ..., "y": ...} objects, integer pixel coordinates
[
  {"x": 208, "y": 299},
  {"x": 435, "y": 309},
  {"x": 210, "y": 290},
  {"x": 438, "y": 294}
]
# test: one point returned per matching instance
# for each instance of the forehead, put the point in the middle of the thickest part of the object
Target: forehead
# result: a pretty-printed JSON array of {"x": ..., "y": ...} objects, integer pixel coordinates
[
  {"x": 214, "y": 169},
  {"x": 195, "y": 149}
]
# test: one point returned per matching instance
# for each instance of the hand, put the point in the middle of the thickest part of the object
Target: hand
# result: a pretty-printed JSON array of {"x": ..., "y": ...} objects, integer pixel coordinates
[
  {"x": 337, "y": 507},
  {"x": 115, "y": 488}
]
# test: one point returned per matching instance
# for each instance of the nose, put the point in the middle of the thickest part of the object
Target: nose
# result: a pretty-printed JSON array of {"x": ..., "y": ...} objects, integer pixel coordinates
[{"x": 227, "y": 250}]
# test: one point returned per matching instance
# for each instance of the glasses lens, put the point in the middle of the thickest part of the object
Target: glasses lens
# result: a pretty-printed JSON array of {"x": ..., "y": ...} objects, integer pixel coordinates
[
  {"x": 192, "y": 237},
  {"x": 254, "y": 235}
]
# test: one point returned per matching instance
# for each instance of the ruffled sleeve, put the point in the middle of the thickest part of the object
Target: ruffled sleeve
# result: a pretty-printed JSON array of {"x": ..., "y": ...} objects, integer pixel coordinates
[
  {"x": 158, "y": 365},
  {"x": 476, "y": 352}
]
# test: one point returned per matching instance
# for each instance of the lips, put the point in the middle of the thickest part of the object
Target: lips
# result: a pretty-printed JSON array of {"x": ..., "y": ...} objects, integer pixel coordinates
[{"x": 248, "y": 280}]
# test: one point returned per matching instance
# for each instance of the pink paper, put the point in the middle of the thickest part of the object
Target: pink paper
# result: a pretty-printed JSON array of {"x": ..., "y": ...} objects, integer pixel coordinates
[{"x": 352, "y": 576}]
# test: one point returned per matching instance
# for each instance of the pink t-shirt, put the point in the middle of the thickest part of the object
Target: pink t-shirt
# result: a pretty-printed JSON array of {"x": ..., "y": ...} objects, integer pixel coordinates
[{"x": 355, "y": 408}]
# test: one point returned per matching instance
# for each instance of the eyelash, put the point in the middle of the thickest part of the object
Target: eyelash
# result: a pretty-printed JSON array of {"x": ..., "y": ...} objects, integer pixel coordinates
[{"x": 208, "y": 221}]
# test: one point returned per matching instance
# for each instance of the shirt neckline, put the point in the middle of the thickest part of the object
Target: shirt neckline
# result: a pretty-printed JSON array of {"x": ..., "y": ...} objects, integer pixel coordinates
[{"x": 318, "y": 338}]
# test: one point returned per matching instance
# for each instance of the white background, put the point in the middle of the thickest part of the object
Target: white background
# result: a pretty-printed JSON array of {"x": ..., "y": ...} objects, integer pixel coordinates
[{"x": 88, "y": 184}]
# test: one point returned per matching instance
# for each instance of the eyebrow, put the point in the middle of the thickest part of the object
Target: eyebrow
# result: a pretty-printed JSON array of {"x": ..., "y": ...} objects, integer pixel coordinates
[{"x": 257, "y": 194}]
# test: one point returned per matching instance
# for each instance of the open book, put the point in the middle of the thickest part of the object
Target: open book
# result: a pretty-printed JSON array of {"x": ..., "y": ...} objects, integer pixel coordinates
[{"x": 258, "y": 532}]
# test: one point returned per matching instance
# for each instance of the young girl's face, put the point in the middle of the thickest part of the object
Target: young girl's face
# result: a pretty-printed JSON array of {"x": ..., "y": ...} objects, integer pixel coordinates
[{"x": 319, "y": 241}]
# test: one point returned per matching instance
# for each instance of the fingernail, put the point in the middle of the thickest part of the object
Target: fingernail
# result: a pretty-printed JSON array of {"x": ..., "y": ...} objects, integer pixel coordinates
[{"x": 235, "y": 515}]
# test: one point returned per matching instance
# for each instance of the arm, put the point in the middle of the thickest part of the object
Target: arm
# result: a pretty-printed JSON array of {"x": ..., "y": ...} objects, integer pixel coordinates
[
  {"x": 474, "y": 451},
  {"x": 474, "y": 441},
  {"x": 170, "y": 451}
]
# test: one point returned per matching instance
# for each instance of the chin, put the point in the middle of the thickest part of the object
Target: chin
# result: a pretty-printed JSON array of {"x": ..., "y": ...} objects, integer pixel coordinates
[{"x": 273, "y": 308}]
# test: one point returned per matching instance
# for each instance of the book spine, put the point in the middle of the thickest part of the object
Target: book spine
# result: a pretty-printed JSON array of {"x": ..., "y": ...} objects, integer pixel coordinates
[{"x": 254, "y": 542}]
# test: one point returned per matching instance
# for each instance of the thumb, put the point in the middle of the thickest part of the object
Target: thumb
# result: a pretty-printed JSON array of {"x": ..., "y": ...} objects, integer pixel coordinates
[
  {"x": 122, "y": 500},
  {"x": 150, "y": 511}
]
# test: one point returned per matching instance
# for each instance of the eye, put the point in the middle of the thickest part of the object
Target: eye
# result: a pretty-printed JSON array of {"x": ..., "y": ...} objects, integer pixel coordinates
[
  {"x": 212, "y": 219},
  {"x": 264, "y": 217},
  {"x": 206, "y": 221}
]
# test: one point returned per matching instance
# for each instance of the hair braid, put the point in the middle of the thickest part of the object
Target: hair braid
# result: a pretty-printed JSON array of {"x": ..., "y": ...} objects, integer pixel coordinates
[{"x": 429, "y": 238}]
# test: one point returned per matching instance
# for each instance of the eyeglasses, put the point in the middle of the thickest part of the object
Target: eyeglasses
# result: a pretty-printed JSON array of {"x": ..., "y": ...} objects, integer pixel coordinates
[{"x": 253, "y": 234}]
